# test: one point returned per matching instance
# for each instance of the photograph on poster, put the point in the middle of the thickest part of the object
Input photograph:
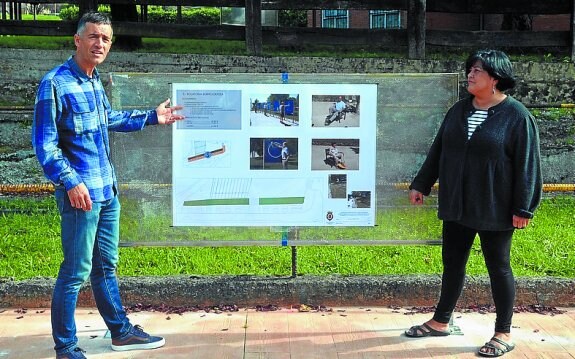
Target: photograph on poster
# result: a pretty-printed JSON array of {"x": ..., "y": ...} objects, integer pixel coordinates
[
  {"x": 339, "y": 154},
  {"x": 209, "y": 109},
  {"x": 337, "y": 185},
  {"x": 273, "y": 153},
  {"x": 335, "y": 110},
  {"x": 359, "y": 199},
  {"x": 274, "y": 110}
]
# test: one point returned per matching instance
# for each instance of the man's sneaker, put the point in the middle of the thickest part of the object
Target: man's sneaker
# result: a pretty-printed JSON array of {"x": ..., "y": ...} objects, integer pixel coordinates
[
  {"x": 77, "y": 353},
  {"x": 137, "y": 339}
]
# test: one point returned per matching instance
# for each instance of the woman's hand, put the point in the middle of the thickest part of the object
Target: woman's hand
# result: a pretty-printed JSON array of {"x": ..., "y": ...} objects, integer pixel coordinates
[
  {"x": 415, "y": 197},
  {"x": 520, "y": 222}
]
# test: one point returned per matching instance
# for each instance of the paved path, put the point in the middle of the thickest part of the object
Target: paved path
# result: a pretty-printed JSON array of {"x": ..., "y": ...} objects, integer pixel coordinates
[{"x": 341, "y": 333}]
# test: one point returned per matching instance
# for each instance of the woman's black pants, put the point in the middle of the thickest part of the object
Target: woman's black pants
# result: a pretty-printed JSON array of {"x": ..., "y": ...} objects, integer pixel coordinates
[{"x": 496, "y": 247}]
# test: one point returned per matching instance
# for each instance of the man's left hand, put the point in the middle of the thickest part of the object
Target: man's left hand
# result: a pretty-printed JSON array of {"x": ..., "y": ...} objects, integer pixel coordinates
[{"x": 166, "y": 114}]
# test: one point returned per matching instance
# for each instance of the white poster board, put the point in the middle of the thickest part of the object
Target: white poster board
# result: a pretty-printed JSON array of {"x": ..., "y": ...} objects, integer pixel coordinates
[{"x": 274, "y": 155}]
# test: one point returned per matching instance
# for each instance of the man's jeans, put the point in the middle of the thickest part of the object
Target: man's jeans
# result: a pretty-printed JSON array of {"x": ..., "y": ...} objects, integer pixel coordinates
[{"x": 90, "y": 245}]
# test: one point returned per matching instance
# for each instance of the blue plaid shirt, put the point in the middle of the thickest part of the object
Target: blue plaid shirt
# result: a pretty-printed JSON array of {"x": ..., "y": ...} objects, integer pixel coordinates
[{"x": 72, "y": 117}]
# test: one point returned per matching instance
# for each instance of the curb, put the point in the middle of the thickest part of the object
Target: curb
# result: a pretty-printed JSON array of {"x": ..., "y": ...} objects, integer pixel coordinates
[{"x": 249, "y": 291}]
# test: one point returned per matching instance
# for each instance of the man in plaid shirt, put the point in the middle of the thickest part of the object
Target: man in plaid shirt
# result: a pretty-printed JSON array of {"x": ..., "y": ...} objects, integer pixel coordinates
[{"x": 72, "y": 117}]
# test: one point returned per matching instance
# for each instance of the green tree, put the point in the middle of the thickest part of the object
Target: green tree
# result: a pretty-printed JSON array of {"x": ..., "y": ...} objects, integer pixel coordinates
[{"x": 292, "y": 18}]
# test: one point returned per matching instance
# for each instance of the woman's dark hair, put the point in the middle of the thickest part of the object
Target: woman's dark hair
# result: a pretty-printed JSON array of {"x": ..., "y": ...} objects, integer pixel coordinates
[
  {"x": 497, "y": 65},
  {"x": 94, "y": 18}
]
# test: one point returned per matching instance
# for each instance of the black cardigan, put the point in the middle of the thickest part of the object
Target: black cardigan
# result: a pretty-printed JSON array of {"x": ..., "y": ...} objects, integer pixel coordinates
[{"x": 495, "y": 174}]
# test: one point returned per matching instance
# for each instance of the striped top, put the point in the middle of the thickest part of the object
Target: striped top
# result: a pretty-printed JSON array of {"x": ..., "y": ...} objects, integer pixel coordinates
[{"x": 473, "y": 121}]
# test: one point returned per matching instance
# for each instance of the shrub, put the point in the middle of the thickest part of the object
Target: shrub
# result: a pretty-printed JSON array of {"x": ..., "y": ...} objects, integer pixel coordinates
[
  {"x": 292, "y": 18},
  {"x": 193, "y": 16},
  {"x": 69, "y": 13},
  {"x": 190, "y": 16},
  {"x": 72, "y": 12}
]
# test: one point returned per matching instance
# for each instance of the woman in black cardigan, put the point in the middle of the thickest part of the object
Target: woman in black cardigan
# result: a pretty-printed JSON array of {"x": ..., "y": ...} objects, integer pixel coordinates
[{"x": 486, "y": 158}]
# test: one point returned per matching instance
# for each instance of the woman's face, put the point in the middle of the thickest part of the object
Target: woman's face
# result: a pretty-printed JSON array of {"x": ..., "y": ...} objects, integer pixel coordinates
[{"x": 479, "y": 82}]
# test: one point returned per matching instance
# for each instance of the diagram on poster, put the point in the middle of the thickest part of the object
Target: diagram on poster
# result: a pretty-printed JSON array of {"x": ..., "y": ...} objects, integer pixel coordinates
[{"x": 274, "y": 155}]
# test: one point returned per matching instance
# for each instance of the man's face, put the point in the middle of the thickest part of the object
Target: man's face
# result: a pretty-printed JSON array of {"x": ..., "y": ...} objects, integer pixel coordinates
[{"x": 93, "y": 45}]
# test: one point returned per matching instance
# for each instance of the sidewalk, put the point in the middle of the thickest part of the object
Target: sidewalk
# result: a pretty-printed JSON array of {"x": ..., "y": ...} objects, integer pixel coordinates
[{"x": 346, "y": 332}]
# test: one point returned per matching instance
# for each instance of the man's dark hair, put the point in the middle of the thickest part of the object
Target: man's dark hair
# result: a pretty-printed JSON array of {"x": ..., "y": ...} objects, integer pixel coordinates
[
  {"x": 94, "y": 18},
  {"x": 497, "y": 65}
]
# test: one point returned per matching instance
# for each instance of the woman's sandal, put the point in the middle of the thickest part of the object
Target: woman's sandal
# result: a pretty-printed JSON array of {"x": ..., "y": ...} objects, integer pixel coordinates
[
  {"x": 424, "y": 330},
  {"x": 491, "y": 350}
]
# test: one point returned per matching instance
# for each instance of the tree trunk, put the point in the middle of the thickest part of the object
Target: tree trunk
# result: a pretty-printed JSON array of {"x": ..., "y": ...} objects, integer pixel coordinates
[
  {"x": 517, "y": 22},
  {"x": 125, "y": 13}
]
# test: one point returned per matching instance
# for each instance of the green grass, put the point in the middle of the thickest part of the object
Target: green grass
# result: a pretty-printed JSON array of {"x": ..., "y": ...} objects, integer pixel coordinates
[
  {"x": 191, "y": 46},
  {"x": 29, "y": 247},
  {"x": 37, "y": 42},
  {"x": 186, "y": 46},
  {"x": 235, "y": 48},
  {"x": 553, "y": 114},
  {"x": 41, "y": 17}
]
